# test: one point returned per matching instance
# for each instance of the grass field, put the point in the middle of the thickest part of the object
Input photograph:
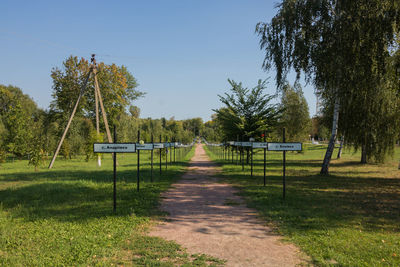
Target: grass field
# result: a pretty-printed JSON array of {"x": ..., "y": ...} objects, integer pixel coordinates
[
  {"x": 349, "y": 218},
  {"x": 64, "y": 216}
]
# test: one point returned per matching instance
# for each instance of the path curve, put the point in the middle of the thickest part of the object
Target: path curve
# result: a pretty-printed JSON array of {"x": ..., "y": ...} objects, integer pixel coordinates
[{"x": 208, "y": 217}]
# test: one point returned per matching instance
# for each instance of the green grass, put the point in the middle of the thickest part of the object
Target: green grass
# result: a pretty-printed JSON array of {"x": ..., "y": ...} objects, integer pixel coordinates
[
  {"x": 64, "y": 216},
  {"x": 349, "y": 218}
]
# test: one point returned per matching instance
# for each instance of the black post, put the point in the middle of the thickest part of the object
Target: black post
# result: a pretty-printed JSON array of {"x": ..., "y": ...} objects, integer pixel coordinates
[
  {"x": 174, "y": 151},
  {"x": 251, "y": 163},
  {"x": 242, "y": 157},
  {"x": 115, "y": 173},
  {"x": 284, "y": 165},
  {"x": 138, "y": 161},
  {"x": 152, "y": 154},
  {"x": 265, "y": 156},
  {"x": 170, "y": 156},
  {"x": 160, "y": 155},
  {"x": 180, "y": 152},
  {"x": 237, "y": 149},
  {"x": 224, "y": 151},
  {"x": 166, "y": 153}
]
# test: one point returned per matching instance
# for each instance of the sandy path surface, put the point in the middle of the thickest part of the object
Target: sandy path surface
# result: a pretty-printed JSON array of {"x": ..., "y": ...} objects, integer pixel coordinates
[{"x": 207, "y": 217}]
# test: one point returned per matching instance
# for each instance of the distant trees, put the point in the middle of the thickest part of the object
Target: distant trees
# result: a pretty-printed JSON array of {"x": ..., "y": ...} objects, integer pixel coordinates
[
  {"x": 212, "y": 130},
  {"x": 195, "y": 125},
  {"x": 29, "y": 132},
  {"x": 134, "y": 111},
  {"x": 19, "y": 114},
  {"x": 247, "y": 113},
  {"x": 18, "y": 126},
  {"x": 343, "y": 48},
  {"x": 319, "y": 130},
  {"x": 295, "y": 115}
]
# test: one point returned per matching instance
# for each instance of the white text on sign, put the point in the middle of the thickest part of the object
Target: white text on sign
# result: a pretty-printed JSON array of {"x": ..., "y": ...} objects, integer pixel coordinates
[
  {"x": 114, "y": 148},
  {"x": 285, "y": 146},
  {"x": 144, "y": 146},
  {"x": 260, "y": 145}
]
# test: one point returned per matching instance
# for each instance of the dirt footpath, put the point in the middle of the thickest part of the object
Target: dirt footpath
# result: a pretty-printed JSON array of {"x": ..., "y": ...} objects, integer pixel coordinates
[{"x": 207, "y": 217}]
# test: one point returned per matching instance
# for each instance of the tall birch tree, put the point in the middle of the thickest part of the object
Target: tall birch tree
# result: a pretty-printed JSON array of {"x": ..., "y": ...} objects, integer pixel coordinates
[{"x": 340, "y": 46}]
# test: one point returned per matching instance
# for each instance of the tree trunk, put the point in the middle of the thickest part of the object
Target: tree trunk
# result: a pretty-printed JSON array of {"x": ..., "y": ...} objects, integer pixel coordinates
[
  {"x": 331, "y": 146},
  {"x": 339, "y": 154},
  {"x": 364, "y": 154},
  {"x": 247, "y": 155}
]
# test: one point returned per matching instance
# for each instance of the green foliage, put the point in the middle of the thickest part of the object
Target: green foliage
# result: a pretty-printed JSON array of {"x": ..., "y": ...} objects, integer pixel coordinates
[
  {"x": 247, "y": 113},
  {"x": 36, "y": 154},
  {"x": 3, "y": 134},
  {"x": 320, "y": 131},
  {"x": 93, "y": 137},
  {"x": 295, "y": 116},
  {"x": 17, "y": 114},
  {"x": 65, "y": 150},
  {"x": 11, "y": 96},
  {"x": 18, "y": 135},
  {"x": 117, "y": 86},
  {"x": 212, "y": 131},
  {"x": 194, "y": 125},
  {"x": 343, "y": 48},
  {"x": 135, "y": 111}
]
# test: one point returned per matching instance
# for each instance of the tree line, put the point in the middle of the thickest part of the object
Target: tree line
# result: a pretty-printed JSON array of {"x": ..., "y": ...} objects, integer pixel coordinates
[
  {"x": 349, "y": 51},
  {"x": 27, "y": 131}
]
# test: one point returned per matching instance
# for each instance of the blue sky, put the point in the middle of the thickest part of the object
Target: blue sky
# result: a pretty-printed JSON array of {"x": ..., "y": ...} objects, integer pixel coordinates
[{"x": 181, "y": 52}]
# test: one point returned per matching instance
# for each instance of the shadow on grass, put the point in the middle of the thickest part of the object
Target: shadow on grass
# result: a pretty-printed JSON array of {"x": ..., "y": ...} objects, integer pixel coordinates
[
  {"x": 83, "y": 195},
  {"x": 318, "y": 203},
  {"x": 315, "y": 202}
]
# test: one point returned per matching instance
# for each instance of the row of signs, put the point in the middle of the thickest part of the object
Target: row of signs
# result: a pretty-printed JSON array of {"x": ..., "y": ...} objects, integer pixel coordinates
[
  {"x": 269, "y": 146},
  {"x": 131, "y": 147}
]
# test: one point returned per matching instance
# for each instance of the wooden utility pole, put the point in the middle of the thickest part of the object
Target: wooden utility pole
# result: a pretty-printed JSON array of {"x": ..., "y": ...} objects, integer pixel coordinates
[
  {"x": 97, "y": 119},
  {"x": 98, "y": 98}
]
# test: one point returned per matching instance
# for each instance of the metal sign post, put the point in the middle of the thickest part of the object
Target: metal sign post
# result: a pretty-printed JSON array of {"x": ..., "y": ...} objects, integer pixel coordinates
[
  {"x": 265, "y": 157},
  {"x": 284, "y": 147},
  {"x": 246, "y": 145},
  {"x": 264, "y": 146},
  {"x": 237, "y": 149},
  {"x": 166, "y": 153},
  {"x": 284, "y": 163},
  {"x": 115, "y": 174},
  {"x": 160, "y": 154},
  {"x": 242, "y": 157},
  {"x": 170, "y": 154},
  {"x": 144, "y": 146},
  {"x": 232, "y": 148},
  {"x": 138, "y": 162},
  {"x": 152, "y": 154},
  {"x": 114, "y": 148},
  {"x": 174, "y": 151},
  {"x": 251, "y": 154}
]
